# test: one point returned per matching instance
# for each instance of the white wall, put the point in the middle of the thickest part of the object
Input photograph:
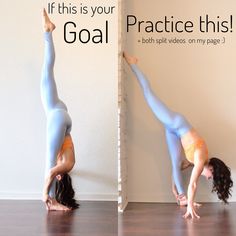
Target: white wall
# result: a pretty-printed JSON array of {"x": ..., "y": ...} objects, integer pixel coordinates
[
  {"x": 198, "y": 81},
  {"x": 86, "y": 76}
]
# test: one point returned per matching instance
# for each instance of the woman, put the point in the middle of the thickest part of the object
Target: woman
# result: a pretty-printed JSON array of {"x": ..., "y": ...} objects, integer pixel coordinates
[
  {"x": 58, "y": 193},
  {"x": 181, "y": 136}
]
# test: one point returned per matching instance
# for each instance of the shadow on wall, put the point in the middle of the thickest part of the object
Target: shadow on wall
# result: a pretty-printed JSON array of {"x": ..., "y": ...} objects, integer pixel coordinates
[
  {"x": 95, "y": 177},
  {"x": 222, "y": 130}
]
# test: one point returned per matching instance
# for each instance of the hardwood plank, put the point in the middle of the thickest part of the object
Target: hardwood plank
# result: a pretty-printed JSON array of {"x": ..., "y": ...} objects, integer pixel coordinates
[
  {"x": 154, "y": 219},
  {"x": 29, "y": 218}
]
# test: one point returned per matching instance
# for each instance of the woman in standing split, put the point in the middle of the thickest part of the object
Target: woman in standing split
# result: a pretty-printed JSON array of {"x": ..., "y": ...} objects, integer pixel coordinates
[
  {"x": 58, "y": 193},
  {"x": 182, "y": 138}
]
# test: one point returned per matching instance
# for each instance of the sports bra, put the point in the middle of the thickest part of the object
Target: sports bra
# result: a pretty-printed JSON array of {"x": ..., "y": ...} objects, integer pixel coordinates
[
  {"x": 191, "y": 141},
  {"x": 67, "y": 144}
]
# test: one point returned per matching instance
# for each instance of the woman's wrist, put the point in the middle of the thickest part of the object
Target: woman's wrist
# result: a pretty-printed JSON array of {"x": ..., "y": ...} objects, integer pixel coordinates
[{"x": 190, "y": 203}]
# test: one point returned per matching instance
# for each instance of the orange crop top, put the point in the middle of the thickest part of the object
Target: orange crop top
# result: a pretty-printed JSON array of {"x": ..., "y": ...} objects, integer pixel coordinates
[
  {"x": 191, "y": 141},
  {"x": 67, "y": 144}
]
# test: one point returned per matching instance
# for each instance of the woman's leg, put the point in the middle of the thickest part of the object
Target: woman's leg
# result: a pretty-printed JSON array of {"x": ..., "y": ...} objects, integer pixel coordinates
[
  {"x": 170, "y": 119},
  {"x": 176, "y": 125},
  {"x": 176, "y": 154},
  {"x": 49, "y": 93}
]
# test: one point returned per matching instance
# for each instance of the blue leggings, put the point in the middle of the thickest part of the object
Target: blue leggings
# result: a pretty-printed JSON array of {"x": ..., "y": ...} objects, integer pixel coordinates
[
  {"x": 58, "y": 120},
  {"x": 175, "y": 126}
]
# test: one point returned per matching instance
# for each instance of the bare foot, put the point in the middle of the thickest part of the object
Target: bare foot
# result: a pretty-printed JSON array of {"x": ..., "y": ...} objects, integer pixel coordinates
[
  {"x": 56, "y": 206},
  {"x": 129, "y": 59},
  {"x": 197, "y": 205},
  {"x": 47, "y": 24},
  {"x": 182, "y": 200}
]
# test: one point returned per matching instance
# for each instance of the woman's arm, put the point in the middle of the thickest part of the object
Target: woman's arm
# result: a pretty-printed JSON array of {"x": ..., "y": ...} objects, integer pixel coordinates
[
  {"x": 62, "y": 167},
  {"x": 56, "y": 170},
  {"x": 192, "y": 187}
]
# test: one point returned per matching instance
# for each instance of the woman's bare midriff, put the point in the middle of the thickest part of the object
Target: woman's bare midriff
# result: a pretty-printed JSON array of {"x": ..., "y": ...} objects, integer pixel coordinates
[{"x": 67, "y": 158}]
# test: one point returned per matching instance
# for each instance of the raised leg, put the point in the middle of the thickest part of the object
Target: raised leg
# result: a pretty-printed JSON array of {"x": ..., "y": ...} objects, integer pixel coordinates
[
  {"x": 49, "y": 92},
  {"x": 170, "y": 119}
]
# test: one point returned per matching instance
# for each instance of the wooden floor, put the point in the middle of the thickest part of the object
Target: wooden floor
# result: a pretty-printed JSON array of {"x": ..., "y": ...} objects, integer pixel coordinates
[
  {"x": 152, "y": 219},
  {"x": 29, "y": 218}
]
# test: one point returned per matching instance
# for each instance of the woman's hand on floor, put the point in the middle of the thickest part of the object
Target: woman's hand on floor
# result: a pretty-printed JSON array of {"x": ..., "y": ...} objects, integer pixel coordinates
[
  {"x": 191, "y": 212},
  {"x": 47, "y": 199}
]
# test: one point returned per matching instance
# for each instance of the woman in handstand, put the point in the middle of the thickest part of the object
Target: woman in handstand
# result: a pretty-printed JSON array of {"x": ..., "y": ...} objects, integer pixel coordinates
[
  {"x": 58, "y": 193},
  {"x": 182, "y": 138}
]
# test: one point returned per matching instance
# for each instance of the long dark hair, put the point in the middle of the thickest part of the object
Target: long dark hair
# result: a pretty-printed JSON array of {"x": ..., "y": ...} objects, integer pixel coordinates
[
  {"x": 222, "y": 182},
  {"x": 65, "y": 193}
]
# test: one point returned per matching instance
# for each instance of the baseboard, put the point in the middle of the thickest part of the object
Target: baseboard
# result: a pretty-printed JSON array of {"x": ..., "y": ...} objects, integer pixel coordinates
[
  {"x": 20, "y": 196},
  {"x": 121, "y": 210},
  {"x": 97, "y": 197},
  {"x": 167, "y": 198},
  {"x": 150, "y": 198},
  {"x": 110, "y": 197},
  {"x": 38, "y": 196}
]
